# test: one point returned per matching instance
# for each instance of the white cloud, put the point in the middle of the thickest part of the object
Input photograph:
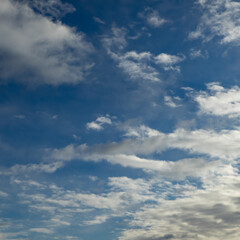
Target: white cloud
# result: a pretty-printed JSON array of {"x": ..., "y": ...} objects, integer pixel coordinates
[
  {"x": 41, "y": 167},
  {"x": 138, "y": 65},
  {"x": 140, "y": 132},
  {"x": 220, "y": 18},
  {"x": 194, "y": 53},
  {"x": 222, "y": 145},
  {"x": 36, "y": 50},
  {"x": 168, "y": 59},
  {"x": 169, "y": 101},
  {"x": 219, "y": 101},
  {"x": 3, "y": 194},
  {"x": 99, "y": 122},
  {"x": 97, "y": 220},
  {"x": 116, "y": 40},
  {"x": 98, "y": 20},
  {"x": 208, "y": 213},
  {"x": 139, "y": 70},
  {"x": 152, "y": 18},
  {"x": 41, "y": 230}
]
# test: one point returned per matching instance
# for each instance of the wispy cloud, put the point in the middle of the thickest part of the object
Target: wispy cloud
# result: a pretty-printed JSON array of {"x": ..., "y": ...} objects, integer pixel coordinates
[
  {"x": 172, "y": 102},
  {"x": 138, "y": 65},
  {"x": 54, "y": 8},
  {"x": 99, "y": 122},
  {"x": 169, "y": 61},
  {"x": 98, "y": 20},
  {"x": 152, "y": 17},
  {"x": 220, "y": 18}
]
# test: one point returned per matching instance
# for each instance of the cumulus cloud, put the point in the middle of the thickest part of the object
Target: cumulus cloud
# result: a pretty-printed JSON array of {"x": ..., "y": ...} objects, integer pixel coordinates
[
  {"x": 99, "y": 122},
  {"x": 168, "y": 61},
  {"x": 152, "y": 17},
  {"x": 140, "y": 132},
  {"x": 36, "y": 50},
  {"x": 219, "y": 101},
  {"x": 220, "y": 18}
]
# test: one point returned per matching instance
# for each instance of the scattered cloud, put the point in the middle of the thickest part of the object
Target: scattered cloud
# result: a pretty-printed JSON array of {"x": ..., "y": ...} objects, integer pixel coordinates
[
  {"x": 220, "y": 145},
  {"x": 219, "y": 101},
  {"x": 140, "y": 132},
  {"x": 97, "y": 220},
  {"x": 168, "y": 61},
  {"x": 98, "y": 20},
  {"x": 116, "y": 40},
  {"x": 138, "y": 65},
  {"x": 135, "y": 65},
  {"x": 3, "y": 194},
  {"x": 197, "y": 53},
  {"x": 99, "y": 122},
  {"x": 171, "y": 102},
  {"x": 20, "y": 116},
  {"x": 41, "y": 167},
  {"x": 40, "y": 51},
  {"x": 208, "y": 213},
  {"x": 152, "y": 17},
  {"x": 41, "y": 230},
  {"x": 220, "y": 18}
]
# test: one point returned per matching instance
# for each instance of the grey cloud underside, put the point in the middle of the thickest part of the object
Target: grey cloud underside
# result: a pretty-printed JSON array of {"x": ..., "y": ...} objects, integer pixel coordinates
[
  {"x": 38, "y": 50},
  {"x": 185, "y": 211},
  {"x": 222, "y": 145}
]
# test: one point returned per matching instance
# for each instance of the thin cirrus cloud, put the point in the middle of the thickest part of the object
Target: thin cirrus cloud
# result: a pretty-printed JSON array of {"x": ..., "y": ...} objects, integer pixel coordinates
[
  {"x": 38, "y": 50},
  {"x": 219, "y": 18}
]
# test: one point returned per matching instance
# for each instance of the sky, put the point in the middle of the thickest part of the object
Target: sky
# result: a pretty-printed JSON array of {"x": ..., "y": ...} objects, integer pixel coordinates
[{"x": 119, "y": 120}]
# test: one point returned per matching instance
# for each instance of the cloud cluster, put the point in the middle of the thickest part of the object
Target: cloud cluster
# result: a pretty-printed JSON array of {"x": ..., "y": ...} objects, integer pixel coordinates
[
  {"x": 221, "y": 145},
  {"x": 138, "y": 65},
  {"x": 99, "y": 122},
  {"x": 219, "y": 101},
  {"x": 38, "y": 50},
  {"x": 152, "y": 18},
  {"x": 220, "y": 18}
]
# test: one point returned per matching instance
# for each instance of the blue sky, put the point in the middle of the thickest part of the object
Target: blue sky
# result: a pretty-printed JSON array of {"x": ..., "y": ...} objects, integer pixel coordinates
[{"x": 119, "y": 120}]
